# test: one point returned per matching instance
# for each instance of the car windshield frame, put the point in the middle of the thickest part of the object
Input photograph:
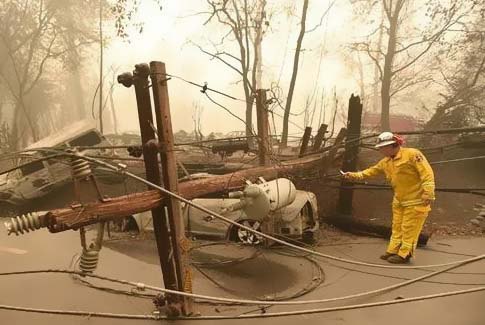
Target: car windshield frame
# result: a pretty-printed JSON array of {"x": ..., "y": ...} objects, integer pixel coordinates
[
  {"x": 31, "y": 167},
  {"x": 88, "y": 139}
]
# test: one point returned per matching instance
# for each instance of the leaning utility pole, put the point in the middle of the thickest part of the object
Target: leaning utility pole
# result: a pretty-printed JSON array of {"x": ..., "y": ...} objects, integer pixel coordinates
[
  {"x": 180, "y": 244},
  {"x": 166, "y": 244}
]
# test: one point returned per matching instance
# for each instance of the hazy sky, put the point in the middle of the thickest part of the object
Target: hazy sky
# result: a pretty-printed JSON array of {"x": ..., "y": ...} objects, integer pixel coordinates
[{"x": 166, "y": 37}]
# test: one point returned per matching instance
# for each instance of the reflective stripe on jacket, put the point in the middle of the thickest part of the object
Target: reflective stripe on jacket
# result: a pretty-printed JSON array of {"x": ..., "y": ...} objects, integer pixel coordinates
[{"x": 409, "y": 174}]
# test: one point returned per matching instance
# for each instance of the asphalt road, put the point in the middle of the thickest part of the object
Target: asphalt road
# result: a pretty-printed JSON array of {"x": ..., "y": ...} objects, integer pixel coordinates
[{"x": 265, "y": 274}]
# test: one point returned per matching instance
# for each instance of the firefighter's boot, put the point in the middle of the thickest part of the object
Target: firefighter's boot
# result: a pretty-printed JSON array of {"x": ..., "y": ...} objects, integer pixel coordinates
[
  {"x": 386, "y": 256},
  {"x": 396, "y": 259}
]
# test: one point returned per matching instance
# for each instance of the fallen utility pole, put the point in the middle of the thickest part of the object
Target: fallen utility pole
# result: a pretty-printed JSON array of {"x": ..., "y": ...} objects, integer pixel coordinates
[{"x": 75, "y": 217}]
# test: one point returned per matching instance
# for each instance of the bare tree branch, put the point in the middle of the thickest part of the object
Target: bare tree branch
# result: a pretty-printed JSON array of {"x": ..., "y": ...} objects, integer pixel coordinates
[
  {"x": 365, "y": 47},
  {"x": 217, "y": 57},
  {"x": 325, "y": 13},
  {"x": 431, "y": 41},
  {"x": 479, "y": 71},
  {"x": 43, "y": 61},
  {"x": 410, "y": 83}
]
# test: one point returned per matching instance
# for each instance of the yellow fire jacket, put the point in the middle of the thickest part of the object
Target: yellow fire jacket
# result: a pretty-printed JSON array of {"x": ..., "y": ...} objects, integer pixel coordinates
[{"x": 409, "y": 174}]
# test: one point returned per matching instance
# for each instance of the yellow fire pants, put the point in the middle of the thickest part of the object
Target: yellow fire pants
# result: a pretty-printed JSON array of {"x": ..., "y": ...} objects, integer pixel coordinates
[{"x": 407, "y": 223}]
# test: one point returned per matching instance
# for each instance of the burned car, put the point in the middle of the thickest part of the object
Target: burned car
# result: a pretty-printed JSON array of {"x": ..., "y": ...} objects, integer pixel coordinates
[
  {"x": 275, "y": 207},
  {"x": 36, "y": 177}
]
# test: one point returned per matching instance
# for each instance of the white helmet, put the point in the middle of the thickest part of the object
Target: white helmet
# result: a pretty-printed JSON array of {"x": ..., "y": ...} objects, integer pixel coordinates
[{"x": 385, "y": 139}]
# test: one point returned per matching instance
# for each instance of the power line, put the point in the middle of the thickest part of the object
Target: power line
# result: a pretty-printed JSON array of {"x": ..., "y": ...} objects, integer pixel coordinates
[
  {"x": 204, "y": 88},
  {"x": 224, "y": 108},
  {"x": 456, "y": 160},
  {"x": 263, "y": 315},
  {"x": 143, "y": 286},
  {"x": 400, "y": 277},
  {"x": 289, "y": 121}
]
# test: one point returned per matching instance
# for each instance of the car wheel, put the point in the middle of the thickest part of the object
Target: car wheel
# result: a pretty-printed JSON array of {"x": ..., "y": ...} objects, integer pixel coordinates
[
  {"x": 306, "y": 213},
  {"x": 244, "y": 236}
]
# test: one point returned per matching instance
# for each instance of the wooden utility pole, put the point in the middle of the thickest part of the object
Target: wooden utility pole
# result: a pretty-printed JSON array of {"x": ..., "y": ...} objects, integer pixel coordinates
[
  {"x": 319, "y": 137},
  {"x": 263, "y": 126},
  {"x": 344, "y": 206},
  {"x": 180, "y": 244},
  {"x": 160, "y": 225},
  {"x": 304, "y": 141}
]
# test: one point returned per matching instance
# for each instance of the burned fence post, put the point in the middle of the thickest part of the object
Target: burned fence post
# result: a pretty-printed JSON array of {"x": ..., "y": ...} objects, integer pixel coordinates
[
  {"x": 304, "y": 141},
  {"x": 319, "y": 137},
  {"x": 344, "y": 206},
  {"x": 262, "y": 118},
  {"x": 180, "y": 244},
  {"x": 160, "y": 225}
]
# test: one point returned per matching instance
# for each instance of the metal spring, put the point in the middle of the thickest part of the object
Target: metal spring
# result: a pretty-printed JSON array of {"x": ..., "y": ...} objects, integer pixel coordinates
[
  {"x": 25, "y": 223},
  {"x": 80, "y": 168},
  {"x": 89, "y": 260}
]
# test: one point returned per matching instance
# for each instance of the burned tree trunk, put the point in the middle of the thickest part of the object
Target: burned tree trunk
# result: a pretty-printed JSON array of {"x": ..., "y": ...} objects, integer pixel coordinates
[
  {"x": 387, "y": 73},
  {"x": 286, "y": 117}
]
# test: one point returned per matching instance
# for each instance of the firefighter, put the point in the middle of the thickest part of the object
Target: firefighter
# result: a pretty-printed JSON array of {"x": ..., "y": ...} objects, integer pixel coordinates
[{"x": 412, "y": 180}]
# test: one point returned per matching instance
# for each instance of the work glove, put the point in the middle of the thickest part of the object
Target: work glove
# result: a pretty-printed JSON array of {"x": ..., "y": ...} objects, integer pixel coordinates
[
  {"x": 427, "y": 198},
  {"x": 349, "y": 176}
]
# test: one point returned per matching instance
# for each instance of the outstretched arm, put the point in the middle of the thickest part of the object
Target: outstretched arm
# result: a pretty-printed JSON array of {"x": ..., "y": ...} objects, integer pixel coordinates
[{"x": 375, "y": 170}]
